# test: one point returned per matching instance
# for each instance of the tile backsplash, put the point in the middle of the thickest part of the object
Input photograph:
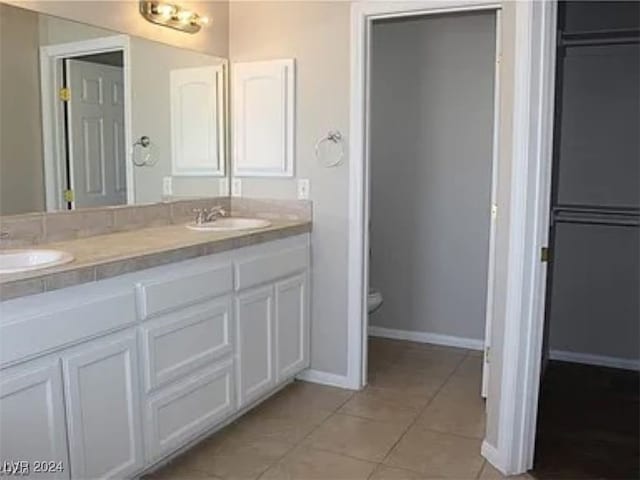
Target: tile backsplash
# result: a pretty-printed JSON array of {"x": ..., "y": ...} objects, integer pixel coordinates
[{"x": 35, "y": 228}]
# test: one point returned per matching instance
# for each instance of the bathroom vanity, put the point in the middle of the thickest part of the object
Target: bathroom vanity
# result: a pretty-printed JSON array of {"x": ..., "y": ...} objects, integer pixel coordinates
[
  {"x": 110, "y": 377},
  {"x": 130, "y": 330}
]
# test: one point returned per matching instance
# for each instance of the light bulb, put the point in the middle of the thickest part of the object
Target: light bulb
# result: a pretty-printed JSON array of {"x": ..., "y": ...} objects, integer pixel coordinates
[
  {"x": 165, "y": 10},
  {"x": 204, "y": 21},
  {"x": 185, "y": 16}
]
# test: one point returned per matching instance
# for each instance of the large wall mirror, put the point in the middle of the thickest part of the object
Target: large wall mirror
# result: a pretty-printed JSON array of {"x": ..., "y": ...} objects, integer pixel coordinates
[{"x": 91, "y": 117}]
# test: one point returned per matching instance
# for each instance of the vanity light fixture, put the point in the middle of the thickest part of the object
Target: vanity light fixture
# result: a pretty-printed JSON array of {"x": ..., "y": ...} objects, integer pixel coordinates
[{"x": 172, "y": 16}]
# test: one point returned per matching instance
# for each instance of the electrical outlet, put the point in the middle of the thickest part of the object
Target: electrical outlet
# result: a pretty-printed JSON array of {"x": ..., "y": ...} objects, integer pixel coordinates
[
  {"x": 236, "y": 187},
  {"x": 167, "y": 186},
  {"x": 223, "y": 187},
  {"x": 303, "y": 189}
]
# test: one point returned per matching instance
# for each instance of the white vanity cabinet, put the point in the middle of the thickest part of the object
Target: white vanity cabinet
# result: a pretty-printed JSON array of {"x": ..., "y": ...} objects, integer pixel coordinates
[
  {"x": 115, "y": 376},
  {"x": 292, "y": 326},
  {"x": 187, "y": 345},
  {"x": 272, "y": 320},
  {"x": 103, "y": 407},
  {"x": 32, "y": 426},
  {"x": 255, "y": 344}
]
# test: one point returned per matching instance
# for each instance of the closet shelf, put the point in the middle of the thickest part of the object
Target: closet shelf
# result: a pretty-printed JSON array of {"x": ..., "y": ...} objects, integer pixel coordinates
[{"x": 599, "y": 37}]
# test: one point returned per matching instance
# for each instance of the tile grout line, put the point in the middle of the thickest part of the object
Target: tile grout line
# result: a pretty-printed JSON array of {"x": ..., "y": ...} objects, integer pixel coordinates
[
  {"x": 435, "y": 394},
  {"x": 380, "y": 464},
  {"x": 300, "y": 442},
  {"x": 479, "y": 474}
]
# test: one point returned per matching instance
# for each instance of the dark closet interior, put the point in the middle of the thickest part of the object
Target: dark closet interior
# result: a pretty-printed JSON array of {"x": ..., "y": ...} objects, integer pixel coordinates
[{"x": 588, "y": 419}]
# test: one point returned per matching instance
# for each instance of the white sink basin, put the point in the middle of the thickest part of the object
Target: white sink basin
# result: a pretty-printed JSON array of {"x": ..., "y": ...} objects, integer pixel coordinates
[
  {"x": 226, "y": 224},
  {"x": 14, "y": 261}
]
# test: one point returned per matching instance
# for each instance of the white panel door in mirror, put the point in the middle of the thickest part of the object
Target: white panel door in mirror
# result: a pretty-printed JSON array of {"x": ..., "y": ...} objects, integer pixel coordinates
[
  {"x": 197, "y": 121},
  {"x": 263, "y": 118}
]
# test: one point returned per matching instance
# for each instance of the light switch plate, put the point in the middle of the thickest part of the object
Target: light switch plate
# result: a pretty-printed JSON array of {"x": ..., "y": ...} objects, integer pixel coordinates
[
  {"x": 236, "y": 187},
  {"x": 223, "y": 187},
  {"x": 167, "y": 185},
  {"x": 303, "y": 189}
]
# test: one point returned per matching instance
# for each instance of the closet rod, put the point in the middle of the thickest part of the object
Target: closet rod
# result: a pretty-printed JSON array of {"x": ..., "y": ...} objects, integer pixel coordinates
[
  {"x": 612, "y": 222},
  {"x": 594, "y": 42},
  {"x": 626, "y": 211}
]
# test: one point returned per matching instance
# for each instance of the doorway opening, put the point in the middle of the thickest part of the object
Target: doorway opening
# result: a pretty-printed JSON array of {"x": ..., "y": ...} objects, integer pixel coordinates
[
  {"x": 589, "y": 406},
  {"x": 93, "y": 130},
  {"x": 431, "y": 177},
  {"x": 86, "y": 112}
]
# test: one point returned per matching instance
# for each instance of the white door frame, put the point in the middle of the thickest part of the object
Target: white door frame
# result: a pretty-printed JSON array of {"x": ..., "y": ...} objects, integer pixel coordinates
[
  {"x": 518, "y": 380},
  {"x": 52, "y": 128}
]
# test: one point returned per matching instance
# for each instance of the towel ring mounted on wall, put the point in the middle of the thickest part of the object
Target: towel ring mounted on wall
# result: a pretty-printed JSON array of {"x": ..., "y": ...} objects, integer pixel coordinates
[
  {"x": 146, "y": 148},
  {"x": 333, "y": 137}
]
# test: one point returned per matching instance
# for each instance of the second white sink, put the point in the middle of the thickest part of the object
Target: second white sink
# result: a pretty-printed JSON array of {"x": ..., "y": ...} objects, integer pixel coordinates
[
  {"x": 14, "y": 261},
  {"x": 225, "y": 224}
]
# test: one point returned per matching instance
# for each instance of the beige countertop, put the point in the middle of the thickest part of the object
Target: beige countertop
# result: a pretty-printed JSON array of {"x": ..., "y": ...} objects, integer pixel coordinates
[{"x": 105, "y": 256}]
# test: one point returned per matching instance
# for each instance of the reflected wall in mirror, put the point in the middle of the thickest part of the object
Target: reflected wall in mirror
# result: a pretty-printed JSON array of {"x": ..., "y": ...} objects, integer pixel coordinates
[{"x": 91, "y": 117}]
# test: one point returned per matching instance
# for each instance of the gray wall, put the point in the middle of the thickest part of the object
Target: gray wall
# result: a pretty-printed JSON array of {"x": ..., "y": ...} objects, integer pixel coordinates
[
  {"x": 21, "y": 172},
  {"x": 595, "y": 305},
  {"x": 431, "y": 154},
  {"x": 316, "y": 34}
]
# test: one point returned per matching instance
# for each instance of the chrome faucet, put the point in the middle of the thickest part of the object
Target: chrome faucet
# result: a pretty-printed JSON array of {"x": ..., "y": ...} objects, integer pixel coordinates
[{"x": 207, "y": 215}]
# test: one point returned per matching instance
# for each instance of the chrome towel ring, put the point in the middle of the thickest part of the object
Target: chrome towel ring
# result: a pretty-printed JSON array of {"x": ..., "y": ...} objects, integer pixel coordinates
[
  {"x": 333, "y": 138},
  {"x": 146, "y": 149}
]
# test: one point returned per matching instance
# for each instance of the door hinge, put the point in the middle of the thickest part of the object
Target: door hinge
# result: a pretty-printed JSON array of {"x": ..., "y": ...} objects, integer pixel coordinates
[
  {"x": 494, "y": 211},
  {"x": 68, "y": 196},
  {"x": 544, "y": 255},
  {"x": 487, "y": 351},
  {"x": 64, "y": 94}
]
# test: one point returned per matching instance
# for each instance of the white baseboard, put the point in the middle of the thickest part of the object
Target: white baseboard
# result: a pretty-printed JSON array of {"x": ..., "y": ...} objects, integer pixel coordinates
[
  {"x": 599, "y": 360},
  {"x": 325, "y": 378},
  {"x": 492, "y": 454},
  {"x": 425, "y": 337}
]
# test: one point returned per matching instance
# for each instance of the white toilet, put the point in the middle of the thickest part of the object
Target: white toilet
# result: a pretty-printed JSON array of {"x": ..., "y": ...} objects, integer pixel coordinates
[{"x": 374, "y": 300}]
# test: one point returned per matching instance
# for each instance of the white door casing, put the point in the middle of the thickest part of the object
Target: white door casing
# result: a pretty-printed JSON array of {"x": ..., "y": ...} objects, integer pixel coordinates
[
  {"x": 494, "y": 210},
  {"x": 263, "y": 96},
  {"x": 197, "y": 121},
  {"x": 51, "y": 77},
  {"x": 97, "y": 152},
  {"x": 103, "y": 407},
  {"x": 518, "y": 382}
]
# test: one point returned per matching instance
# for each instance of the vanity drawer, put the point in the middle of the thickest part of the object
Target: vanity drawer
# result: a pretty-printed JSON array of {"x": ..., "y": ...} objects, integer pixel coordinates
[
  {"x": 180, "y": 342},
  {"x": 181, "y": 412},
  {"x": 188, "y": 285},
  {"x": 42, "y": 323},
  {"x": 265, "y": 268}
]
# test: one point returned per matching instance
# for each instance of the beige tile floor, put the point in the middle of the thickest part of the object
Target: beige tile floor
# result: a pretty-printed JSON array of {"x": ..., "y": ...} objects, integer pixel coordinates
[{"x": 421, "y": 417}]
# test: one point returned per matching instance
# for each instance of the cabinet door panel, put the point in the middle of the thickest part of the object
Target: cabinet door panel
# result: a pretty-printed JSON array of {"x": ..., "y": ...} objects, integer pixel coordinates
[
  {"x": 263, "y": 118},
  {"x": 254, "y": 337},
  {"x": 103, "y": 408},
  {"x": 292, "y": 337},
  {"x": 179, "y": 343},
  {"x": 32, "y": 417},
  {"x": 181, "y": 286},
  {"x": 180, "y": 412},
  {"x": 197, "y": 121}
]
